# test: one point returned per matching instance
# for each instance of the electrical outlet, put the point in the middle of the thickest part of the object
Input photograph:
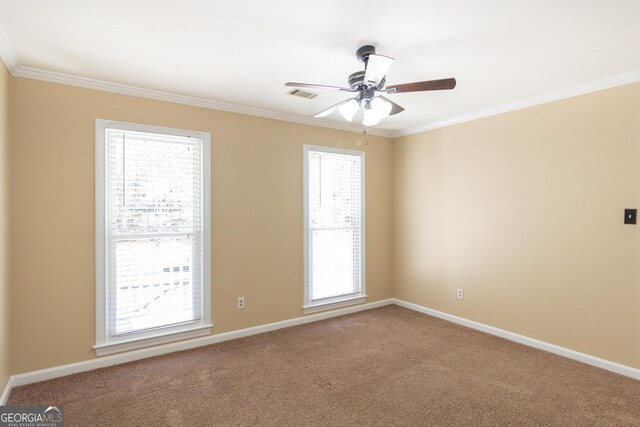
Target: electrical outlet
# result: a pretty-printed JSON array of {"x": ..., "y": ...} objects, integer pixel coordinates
[
  {"x": 460, "y": 293},
  {"x": 240, "y": 302}
]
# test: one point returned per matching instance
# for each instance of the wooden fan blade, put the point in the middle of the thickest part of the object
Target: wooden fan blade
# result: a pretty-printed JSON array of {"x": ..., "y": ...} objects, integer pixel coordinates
[
  {"x": 442, "y": 84},
  {"x": 377, "y": 67},
  {"x": 295, "y": 84},
  {"x": 325, "y": 113},
  {"x": 395, "y": 108}
]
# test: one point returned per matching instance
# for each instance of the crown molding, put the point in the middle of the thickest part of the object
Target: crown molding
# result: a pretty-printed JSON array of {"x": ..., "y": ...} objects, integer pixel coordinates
[
  {"x": 6, "y": 53},
  {"x": 583, "y": 89},
  {"x": 10, "y": 60},
  {"x": 105, "y": 86}
]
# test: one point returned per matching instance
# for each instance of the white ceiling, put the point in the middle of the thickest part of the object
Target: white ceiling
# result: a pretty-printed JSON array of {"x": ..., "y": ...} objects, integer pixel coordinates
[{"x": 503, "y": 53}]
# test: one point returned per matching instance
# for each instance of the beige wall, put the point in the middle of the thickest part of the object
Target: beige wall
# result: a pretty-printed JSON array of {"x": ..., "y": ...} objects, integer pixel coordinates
[
  {"x": 4, "y": 227},
  {"x": 256, "y": 214},
  {"x": 525, "y": 212},
  {"x": 522, "y": 210}
]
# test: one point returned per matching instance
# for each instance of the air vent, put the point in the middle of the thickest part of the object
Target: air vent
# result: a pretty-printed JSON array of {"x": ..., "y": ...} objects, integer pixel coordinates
[{"x": 302, "y": 93}]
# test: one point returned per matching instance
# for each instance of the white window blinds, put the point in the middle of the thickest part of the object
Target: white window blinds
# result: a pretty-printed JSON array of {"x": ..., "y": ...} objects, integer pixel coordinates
[
  {"x": 334, "y": 224},
  {"x": 153, "y": 233}
]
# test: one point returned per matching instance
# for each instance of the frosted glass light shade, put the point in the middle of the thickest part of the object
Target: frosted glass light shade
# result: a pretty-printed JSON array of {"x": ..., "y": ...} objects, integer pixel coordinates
[
  {"x": 371, "y": 117},
  {"x": 381, "y": 107},
  {"x": 349, "y": 109}
]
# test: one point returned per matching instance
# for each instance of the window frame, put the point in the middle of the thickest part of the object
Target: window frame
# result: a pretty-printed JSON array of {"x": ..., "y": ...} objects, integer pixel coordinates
[
  {"x": 310, "y": 307},
  {"x": 105, "y": 344}
]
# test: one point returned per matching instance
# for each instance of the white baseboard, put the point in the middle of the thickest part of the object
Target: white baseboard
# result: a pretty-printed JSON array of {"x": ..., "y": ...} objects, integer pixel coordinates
[
  {"x": 6, "y": 392},
  {"x": 627, "y": 371},
  {"x": 116, "y": 359}
]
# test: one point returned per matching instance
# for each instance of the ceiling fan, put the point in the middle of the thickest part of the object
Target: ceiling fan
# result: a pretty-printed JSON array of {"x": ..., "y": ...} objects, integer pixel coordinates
[{"x": 369, "y": 85}]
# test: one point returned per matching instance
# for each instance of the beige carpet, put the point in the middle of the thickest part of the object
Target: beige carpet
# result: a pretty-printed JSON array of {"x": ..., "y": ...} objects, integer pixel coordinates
[{"x": 383, "y": 367}]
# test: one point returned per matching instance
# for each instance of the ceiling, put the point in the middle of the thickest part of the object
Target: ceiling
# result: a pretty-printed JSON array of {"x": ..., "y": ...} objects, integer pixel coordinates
[{"x": 238, "y": 55}]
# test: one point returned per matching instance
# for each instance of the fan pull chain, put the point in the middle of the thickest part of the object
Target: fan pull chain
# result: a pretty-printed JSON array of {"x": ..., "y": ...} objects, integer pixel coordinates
[
  {"x": 124, "y": 175},
  {"x": 320, "y": 180}
]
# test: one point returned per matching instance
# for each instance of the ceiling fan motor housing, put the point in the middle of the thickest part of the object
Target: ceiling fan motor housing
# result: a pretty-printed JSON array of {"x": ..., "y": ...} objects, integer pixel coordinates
[
  {"x": 363, "y": 53},
  {"x": 356, "y": 79}
]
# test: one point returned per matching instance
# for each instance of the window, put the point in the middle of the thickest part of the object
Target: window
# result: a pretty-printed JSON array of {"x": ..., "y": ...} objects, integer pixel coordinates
[
  {"x": 334, "y": 228},
  {"x": 152, "y": 235}
]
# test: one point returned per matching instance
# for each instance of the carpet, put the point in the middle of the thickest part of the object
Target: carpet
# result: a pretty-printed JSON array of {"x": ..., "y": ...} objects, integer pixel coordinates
[{"x": 383, "y": 367}]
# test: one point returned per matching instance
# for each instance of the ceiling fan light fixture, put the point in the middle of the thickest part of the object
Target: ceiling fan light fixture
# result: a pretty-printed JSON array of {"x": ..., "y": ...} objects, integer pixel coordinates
[
  {"x": 371, "y": 118},
  {"x": 349, "y": 109},
  {"x": 366, "y": 84},
  {"x": 381, "y": 107}
]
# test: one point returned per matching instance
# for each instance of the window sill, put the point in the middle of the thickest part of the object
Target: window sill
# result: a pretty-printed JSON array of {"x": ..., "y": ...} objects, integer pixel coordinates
[
  {"x": 333, "y": 304},
  {"x": 133, "y": 344}
]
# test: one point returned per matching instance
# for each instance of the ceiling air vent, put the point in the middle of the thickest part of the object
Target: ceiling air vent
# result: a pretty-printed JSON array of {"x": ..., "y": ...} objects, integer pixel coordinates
[{"x": 302, "y": 93}]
